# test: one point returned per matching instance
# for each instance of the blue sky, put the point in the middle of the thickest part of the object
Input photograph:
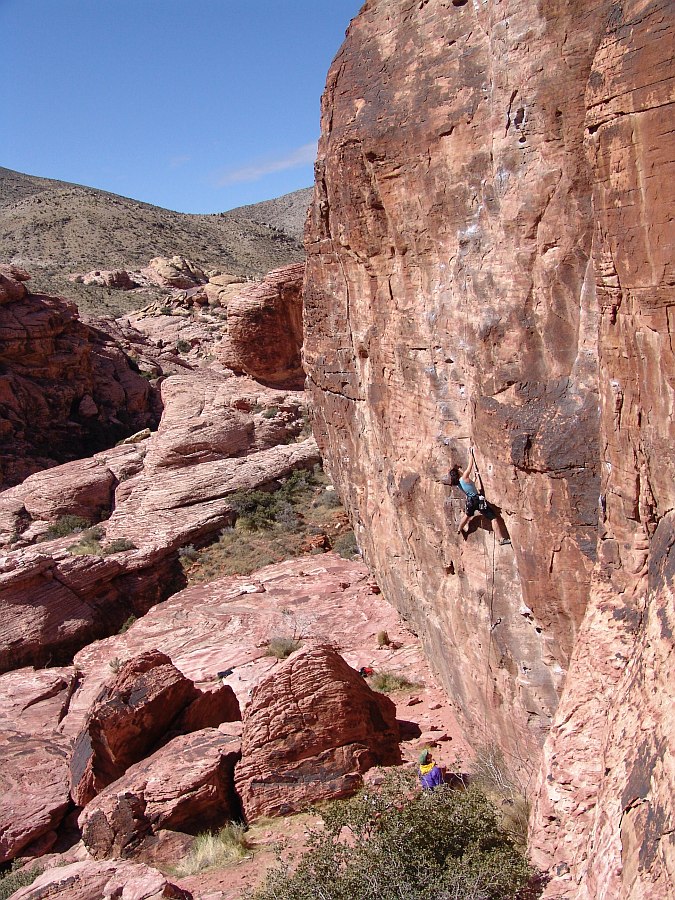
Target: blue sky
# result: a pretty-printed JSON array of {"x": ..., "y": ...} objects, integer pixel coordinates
[{"x": 194, "y": 105}]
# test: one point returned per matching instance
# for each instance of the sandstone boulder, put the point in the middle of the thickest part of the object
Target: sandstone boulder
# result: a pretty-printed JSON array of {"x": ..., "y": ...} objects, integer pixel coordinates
[
  {"x": 175, "y": 272},
  {"x": 34, "y": 784},
  {"x": 116, "y": 279},
  {"x": 114, "y": 880},
  {"x": 264, "y": 328},
  {"x": 311, "y": 730},
  {"x": 187, "y": 785},
  {"x": 132, "y": 715},
  {"x": 35, "y": 701},
  {"x": 11, "y": 283},
  {"x": 50, "y": 362}
]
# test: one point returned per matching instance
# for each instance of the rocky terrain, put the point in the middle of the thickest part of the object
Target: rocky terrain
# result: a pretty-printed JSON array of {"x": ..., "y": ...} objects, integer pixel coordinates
[
  {"x": 490, "y": 264},
  {"x": 124, "y": 690},
  {"x": 54, "y": 229}
]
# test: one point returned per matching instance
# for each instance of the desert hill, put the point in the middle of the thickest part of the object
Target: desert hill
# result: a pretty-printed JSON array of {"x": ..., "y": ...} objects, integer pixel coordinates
[
  {"x": 53, "y": 228},
  {"x": 286, "y": 213}
]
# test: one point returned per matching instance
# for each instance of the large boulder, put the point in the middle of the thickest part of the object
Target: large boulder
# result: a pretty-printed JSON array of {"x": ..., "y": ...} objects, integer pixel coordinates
[
  {"x": 66, "y": 389},
  {"x": 175, "y": 271},
  {"x": 264, "y": 328},
  {"x": 34, "y": 775},
  {"x": 311, "y": 730},
  {"x": 146, "y": 700},
  {"x": 34, "y": 789},
  {"x": 187, "y": 786}
]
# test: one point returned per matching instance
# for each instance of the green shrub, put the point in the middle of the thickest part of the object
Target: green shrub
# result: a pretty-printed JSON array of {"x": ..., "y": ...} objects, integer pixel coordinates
[
  {"x": 270, "y": 412},
  {"x": 119, "y": 545},
  {"x": 12, "y": 880},
  {"x": 127, "y": 625},
  {"x": 345, "y": 545},
  {"x": 386, "y": 682},
  {"x": 399, "y": 842},
  {"x": 210, "y": 851},
  {"x": 89, "y": 544},
  {"x": 183, "y": 346},
  {"x": 383, "y": 639},
  {"x": 188, "y": 553},
  {"x": 66, "y": 525}
]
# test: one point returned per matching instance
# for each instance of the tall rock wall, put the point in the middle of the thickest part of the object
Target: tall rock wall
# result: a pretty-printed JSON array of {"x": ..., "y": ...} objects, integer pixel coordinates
[{"x": 489, "y": 264}]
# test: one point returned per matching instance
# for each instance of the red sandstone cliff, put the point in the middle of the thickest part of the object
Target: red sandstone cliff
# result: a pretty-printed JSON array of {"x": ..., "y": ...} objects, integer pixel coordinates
[{"x": 489, "y": 261}]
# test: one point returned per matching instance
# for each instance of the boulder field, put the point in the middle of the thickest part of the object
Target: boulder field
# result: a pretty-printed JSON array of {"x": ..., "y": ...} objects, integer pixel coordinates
[
  {"x": 490, "y": 264},
  {"x": 145, "y": 744}
]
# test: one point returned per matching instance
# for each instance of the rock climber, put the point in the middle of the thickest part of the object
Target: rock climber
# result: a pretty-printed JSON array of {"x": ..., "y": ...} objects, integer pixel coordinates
[
  {"x": 430, "y": 774},
  {"x": 475, "y": 501}
]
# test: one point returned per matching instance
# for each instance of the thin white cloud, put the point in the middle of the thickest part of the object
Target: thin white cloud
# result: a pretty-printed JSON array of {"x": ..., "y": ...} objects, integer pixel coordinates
[
  {"x": 176, "y": 161},
  {"x": 300, "y": 157}
]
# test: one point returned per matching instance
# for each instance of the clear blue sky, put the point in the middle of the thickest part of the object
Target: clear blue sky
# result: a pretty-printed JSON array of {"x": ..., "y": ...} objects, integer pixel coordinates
[{"x": 194, "y": 105}]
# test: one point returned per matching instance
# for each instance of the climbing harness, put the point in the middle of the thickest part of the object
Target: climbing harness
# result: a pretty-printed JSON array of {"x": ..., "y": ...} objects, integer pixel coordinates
[{"x": 479, "y": 503}]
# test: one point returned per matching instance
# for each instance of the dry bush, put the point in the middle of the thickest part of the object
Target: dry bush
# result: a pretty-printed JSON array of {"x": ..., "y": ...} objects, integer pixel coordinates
[
  {"x": 387, "y": 682},
  {"x": 282, "y": 646},
  {"x": 212, "y": 851},
  {"x": 491, "y": 773}
]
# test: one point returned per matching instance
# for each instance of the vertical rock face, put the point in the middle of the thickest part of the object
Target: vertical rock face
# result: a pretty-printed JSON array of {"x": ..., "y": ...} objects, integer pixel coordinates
[
  {"x": 489, "y": 263},
  {"x": 449, "y": 300},
  {"x": 606, "y": 810}
]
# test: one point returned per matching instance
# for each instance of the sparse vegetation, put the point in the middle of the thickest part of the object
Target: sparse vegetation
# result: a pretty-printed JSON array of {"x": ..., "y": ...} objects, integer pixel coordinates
[
  {"x": 89, "y": 544},
  {"x": 188, "y": 553},
  {"x": 345, "y": 544},
  {"x": 127, "y": 625},
  {"x": 270, "y": 412},
  {"x": 388, "y": 682},
  {"x": 115, "y": 664},
  {"x": 383, "y": 639},
  {"x": 183, "y": 346},
  {"x": 491, "y": 773},
  {"x": 399, "y": 842},
  {"x": 282, "y": 646},
  {"x": 66, "y": 525},
  {"x": 271, "y": 526},
  {"x": 210, "y": 851},
  {"x": 119, "y": 545},
  {"x": 13, "y": 879}
]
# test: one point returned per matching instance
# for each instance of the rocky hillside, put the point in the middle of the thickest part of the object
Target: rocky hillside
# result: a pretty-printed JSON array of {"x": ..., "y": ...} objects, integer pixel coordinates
[
  {"x": 490, "y": 264},
  {"x": 288, "y": 213},
  {"x": 54, "y": 229}
]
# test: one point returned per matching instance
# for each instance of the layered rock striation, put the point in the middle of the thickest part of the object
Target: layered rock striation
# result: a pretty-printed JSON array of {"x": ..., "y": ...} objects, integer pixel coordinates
[
  {"x": 312, "y": 729},
  {"x": 218, "y": 435},
  {"x": 489, "y": 264}
]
